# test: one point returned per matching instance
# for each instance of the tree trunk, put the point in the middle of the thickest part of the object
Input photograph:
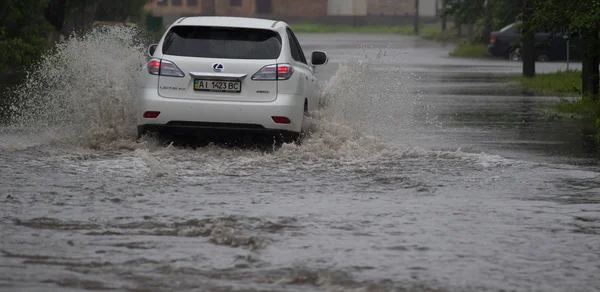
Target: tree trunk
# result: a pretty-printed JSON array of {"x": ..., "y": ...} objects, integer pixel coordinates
[
  {"x": 528, "y": 47},
  {"x": 470, "y": 28},
  {"x": 444, "y": 23},
  {"x": 590, "y": 78},
  {"x": 55, "y": 13},
  {"x": 416, "y": 24},
  {"x": 488, "y": 22}
]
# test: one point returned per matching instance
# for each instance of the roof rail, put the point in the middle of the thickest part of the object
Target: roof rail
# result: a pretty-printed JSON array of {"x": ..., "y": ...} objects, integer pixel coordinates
[
  {"x": 274, "y": 23},
  {"x": 181, "y": 19}
]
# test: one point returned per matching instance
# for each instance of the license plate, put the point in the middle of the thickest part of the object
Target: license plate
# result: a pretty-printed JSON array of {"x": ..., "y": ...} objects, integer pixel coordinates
[{"x": 217, "y": 85}]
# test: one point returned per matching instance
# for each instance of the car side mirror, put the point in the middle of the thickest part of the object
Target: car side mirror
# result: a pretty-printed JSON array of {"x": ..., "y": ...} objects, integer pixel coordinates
[
  {"x": 152, "y": 49},
  {"x": 319, "y": 58}
]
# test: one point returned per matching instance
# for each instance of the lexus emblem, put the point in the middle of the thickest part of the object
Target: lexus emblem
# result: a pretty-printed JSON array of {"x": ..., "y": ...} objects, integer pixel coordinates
[{"x": 218, "y": 67}]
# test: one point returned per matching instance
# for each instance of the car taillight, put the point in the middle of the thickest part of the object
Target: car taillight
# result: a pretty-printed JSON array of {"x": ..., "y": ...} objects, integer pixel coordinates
[
  {"x": 274, "y": 72},
  {"x": 154, "y": 67},
  {"x": 492, "y": 39},
  {"x": 164, "y": 68}
]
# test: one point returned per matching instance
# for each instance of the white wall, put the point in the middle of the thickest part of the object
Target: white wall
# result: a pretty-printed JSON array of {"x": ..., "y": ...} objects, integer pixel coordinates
[
  {"x": 427, "y": 7},
  {"x": 347, "y": 7}
]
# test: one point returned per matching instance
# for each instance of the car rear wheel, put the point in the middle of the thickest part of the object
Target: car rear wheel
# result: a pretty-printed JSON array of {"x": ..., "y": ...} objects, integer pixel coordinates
[
  {"x": 543, "y": 58},
  {"x": 141, "y": 132},
  {"x": 515, "y": 54},
  {"x": 297, "y": 137},
  {"x": 304, "y": 130}
]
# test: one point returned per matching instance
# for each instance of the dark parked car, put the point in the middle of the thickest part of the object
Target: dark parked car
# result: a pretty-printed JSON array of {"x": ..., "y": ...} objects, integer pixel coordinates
[{"x": 548, "y": 46}]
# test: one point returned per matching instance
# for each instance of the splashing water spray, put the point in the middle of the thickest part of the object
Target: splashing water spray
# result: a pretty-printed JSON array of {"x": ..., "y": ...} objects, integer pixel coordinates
[
  {"x": 82, "y": 94},
  {"x": 83, "y": 91}
]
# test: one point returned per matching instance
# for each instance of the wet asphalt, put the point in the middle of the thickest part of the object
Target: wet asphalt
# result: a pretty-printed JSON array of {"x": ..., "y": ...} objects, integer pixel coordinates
[{"x": 422, "y": 173}]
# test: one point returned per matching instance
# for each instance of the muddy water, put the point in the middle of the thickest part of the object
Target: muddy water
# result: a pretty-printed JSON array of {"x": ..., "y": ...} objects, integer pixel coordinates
[{"x": 421, "y": 174}]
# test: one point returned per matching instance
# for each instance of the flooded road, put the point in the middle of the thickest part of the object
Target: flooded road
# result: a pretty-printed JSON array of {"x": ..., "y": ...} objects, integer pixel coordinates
[{"x": 422, "y": 173}]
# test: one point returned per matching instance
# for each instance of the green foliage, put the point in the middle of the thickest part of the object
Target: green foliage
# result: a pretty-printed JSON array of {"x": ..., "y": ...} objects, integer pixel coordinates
[
  {"x": 582, "y": 106},
  {"x": 486, "y": 18},
  {"x": 563, "y": 82},
  {"x": 464, "y": 11},
  {"x": 469, "y": 50},
  {"x": 23, "y": 31},
  {"x": 598, "y": 129},
  {"x": 504, "y": 12},
  {"x": 576, "y": 17}
]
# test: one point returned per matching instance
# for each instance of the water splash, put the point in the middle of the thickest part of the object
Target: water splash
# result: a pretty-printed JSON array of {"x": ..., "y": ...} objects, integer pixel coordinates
[
  {"x": 368, "y": 95},
  {"x": 371, "y": 91},
  {"x": 82, "y": 94},
  {"x": 83, "y": 91}
]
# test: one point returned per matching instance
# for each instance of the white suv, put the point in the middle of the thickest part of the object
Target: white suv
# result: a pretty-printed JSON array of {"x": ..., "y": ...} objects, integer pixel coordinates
[{"x": 208, "y": 75}]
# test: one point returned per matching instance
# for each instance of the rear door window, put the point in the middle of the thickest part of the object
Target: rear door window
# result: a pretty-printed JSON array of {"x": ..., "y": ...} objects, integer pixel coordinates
[
  {"x": 222, "y": 42},
  {"x": 295, "y": 47}
]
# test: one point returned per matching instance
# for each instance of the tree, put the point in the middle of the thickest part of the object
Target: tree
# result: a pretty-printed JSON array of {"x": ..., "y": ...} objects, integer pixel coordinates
[
  {"x": 80, "y": 14},
  {"x": 528, "y": 40},
  {"x": 578, "y": 19},
  {"x": 464, "y": 11},
  {"x": 493, "y": 14},
  {"x": 55, "y": 13},
  {"x": 26, "y": 25},
  {"x": 23, "y": 32}
]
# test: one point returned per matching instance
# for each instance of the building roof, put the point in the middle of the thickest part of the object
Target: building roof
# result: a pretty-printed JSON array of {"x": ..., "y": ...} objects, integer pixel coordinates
[{"x": 227, "y": 21}]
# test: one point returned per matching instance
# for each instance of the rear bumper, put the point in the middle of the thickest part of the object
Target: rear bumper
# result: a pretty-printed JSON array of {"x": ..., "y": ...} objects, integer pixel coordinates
[
  {"x": 217, "y": 132},
  {"x": 497, "y": 51},
  {"x": 198, "y": 116}
]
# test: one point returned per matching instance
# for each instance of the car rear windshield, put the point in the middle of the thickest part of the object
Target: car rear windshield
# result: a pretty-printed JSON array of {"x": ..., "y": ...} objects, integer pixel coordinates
[
  {"x": 511, "y": 27},
  {"x": 222, "y": 42}
]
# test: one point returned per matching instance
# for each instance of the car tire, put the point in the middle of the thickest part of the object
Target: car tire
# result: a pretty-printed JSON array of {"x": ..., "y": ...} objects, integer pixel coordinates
[
  {"x": 141, "y": 132},
  {"x": 543, "y": 58},
  {"x": 303, "y": 131},
  {"x": 515, "y": 54}
]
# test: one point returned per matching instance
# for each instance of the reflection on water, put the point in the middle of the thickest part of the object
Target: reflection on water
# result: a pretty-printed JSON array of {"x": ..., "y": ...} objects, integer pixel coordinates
[{"x": 489, "y": 113}]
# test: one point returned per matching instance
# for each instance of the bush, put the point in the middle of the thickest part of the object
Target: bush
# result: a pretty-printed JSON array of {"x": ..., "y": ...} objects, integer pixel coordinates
[
  {"x": 469, "y": 50},
  {"x": 19, "y": 52},
  {"x": 23, "y": 31}
]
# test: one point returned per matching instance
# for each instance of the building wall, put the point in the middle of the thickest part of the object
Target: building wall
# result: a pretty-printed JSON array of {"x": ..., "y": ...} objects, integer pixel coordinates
[
  {"x": 391, "y": 7},
  {"x": 306, "y": 8},
  {"x": 347, "y": 7},
  {"x": 224, "y": 7},
  {"x": 157, "y": 9},
  {"x": 428, "y": 7},
  {"x": 347, "y": 12}
]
